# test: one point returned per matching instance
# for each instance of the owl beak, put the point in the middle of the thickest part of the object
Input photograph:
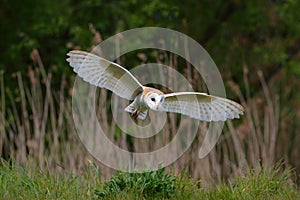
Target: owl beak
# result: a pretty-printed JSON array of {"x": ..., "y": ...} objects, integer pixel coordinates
[{"x": 158, "y": 104}]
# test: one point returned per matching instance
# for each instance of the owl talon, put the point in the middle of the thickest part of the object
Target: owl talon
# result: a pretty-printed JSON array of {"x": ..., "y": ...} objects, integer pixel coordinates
[{"x": 135, "y": 114}]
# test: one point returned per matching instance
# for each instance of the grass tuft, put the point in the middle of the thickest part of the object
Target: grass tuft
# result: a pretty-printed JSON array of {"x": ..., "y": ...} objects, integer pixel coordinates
[
  {"x": 156, "y": 184},
  {"x": 270, "y": 183}
]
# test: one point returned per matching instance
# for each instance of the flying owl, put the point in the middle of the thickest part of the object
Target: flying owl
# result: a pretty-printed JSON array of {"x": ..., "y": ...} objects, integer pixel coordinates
[{"x": 105, "y": 74}]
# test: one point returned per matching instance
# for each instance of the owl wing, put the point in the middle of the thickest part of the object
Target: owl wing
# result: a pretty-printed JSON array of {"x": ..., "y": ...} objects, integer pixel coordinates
[
  {"x": 105, "y": 74},
  {"x": 201, "y": 106}
]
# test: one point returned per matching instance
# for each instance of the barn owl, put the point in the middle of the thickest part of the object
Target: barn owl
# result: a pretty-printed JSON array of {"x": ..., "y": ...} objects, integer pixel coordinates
[{"x": 105, "y": 74}]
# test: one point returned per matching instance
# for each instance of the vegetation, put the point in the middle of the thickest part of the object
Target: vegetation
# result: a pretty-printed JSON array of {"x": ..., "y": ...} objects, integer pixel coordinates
[
  {"x": 18, "y": 182},
  {"x": 147, "y": 184},
  {"x": 255, "y": 45},
  {"x": 28, "y": 182},
  {"x": 46, "y": 121}
]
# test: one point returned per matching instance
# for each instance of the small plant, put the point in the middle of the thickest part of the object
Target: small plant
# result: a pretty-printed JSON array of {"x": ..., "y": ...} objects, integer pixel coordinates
[{"x": 147, "y": 184}]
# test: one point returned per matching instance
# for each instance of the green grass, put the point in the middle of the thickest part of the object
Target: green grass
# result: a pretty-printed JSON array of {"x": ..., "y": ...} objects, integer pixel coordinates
[
  {"x": 18, "y": 182},
  {"x": 262, "y": 184}
]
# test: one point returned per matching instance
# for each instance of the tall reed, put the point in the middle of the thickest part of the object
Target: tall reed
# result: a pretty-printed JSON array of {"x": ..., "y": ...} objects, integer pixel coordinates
[{"x": 38, "y": 127}]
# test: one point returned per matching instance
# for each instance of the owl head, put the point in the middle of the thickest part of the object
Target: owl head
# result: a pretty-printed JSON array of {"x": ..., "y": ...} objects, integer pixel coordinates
[{"x": 154, "y": 100}]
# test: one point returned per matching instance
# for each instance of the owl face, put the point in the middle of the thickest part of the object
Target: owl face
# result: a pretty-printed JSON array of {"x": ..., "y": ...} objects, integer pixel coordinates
[{"x": 154, "y": 100}]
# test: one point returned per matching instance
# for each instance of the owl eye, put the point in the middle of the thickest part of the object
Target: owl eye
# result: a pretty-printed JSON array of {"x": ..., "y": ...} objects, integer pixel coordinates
[{"x": 153, "y": 99}]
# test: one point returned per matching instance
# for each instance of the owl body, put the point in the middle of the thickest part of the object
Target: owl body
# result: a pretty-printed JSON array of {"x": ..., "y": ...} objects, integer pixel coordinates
[
  {"x": 138, "y": 108},
  {"x": 150, "y": 98},
  {"x": 105, "y": 74}
]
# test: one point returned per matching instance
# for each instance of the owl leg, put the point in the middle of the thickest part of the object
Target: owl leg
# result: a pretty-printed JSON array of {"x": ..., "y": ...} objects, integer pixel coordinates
[
  {"x": 135, "y": 114},
  {"x": 142, "y": 115},
  {"x": 131, "y": 108}
]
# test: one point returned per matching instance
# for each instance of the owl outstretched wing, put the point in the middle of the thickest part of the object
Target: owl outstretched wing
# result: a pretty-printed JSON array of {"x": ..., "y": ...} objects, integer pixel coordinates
[
  {"x": 201, "y": 106},
  {"x": 105, "y": 74}
]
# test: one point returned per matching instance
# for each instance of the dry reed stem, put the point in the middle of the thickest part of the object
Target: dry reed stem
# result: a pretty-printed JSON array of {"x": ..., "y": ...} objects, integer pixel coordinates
[
  {"x": 2, "y": 114},
  {"x": 45, "y": 130}
]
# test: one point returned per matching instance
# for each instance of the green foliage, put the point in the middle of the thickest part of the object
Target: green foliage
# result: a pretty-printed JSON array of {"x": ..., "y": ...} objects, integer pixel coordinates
[
  {"x": 55, "y": 26},
  {"x": 259, "y": 34},
  {"x": 146, "y": 184},
  {"x": 251, "y": 31}
]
